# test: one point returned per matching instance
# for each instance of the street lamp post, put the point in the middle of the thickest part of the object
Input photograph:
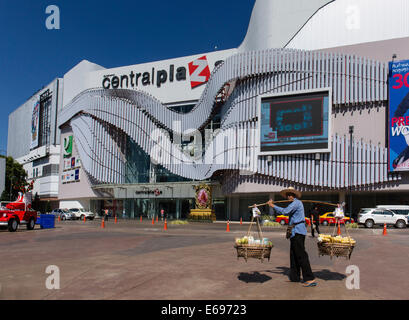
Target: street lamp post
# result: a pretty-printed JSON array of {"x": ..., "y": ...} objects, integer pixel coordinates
[{"x": 351, "y": 159}]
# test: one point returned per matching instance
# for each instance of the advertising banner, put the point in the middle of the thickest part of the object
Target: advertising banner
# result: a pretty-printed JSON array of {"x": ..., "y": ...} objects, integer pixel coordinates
[
  {"x": 68, "y": 147},
  {"x": 399, "y": 116},
  {"x": 293, "y": 124},
  {"x": 35, "y": 118},
  {"x": 72, "y": 163},
  {"x": 71, "y": 176}
]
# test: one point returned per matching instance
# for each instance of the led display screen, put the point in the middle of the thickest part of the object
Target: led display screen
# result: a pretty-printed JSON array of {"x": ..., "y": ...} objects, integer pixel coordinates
[{"x": 295, "y": 123}]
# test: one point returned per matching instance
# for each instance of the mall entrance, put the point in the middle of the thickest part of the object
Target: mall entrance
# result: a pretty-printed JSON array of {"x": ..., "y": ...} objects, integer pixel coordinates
[{"x": 147, "y": 208}]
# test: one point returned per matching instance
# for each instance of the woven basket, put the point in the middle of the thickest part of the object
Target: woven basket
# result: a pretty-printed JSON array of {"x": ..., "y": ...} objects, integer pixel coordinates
[
  {"x": 335, "y": 249},
  {"x": 255, "y": 251},
  {"x": 247, "y": 251}
]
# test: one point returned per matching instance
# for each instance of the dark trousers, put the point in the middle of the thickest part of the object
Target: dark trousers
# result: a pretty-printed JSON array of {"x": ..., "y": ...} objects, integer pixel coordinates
[
  {"x": 299, "y": 260},
  {"x": 317, "y": 228}
]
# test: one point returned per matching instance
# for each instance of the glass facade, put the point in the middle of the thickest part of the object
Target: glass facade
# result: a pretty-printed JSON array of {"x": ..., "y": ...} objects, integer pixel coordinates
[
  {"x": 45, "y": 119},
  {"x": 147, "y": 208},
  {"x": 140, "y": 170},
  {"x": 137, "y": 164}
]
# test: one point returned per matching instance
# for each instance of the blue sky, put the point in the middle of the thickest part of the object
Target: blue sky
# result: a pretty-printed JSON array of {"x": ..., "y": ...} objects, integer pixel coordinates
[{"x": 109, "y": 33}]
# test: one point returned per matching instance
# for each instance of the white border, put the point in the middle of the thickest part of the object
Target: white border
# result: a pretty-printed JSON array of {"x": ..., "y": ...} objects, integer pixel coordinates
[{"x": 292, "y": 93}]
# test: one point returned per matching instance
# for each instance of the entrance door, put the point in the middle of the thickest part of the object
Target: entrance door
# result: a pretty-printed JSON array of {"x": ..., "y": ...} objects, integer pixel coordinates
[
  {"x": 186, "y": 206},
  {"x": 169, "y": 206}
]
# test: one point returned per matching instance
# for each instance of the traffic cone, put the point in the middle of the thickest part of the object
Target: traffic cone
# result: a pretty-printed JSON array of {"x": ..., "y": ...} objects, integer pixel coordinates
[
  {"x": 103, "y": 224},
  {"x": 157, "y": 218},
  {"x": 166, "y": 225},
  {"x": 339, "y": 229},
  {"x": 59, "y": 218},
  {"x": 141, "y": 218},
  {"x": 228, "y": 226},
  {"x": 153, "y": 220},
  {"x": 116, "y": 219},
  {"x": 241, "y": 221},
  {"x": 384, "y": 230}
]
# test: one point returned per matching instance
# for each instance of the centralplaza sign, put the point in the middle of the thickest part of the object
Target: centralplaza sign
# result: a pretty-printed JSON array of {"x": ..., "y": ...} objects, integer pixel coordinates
[
  {"x": 172, "y": 80},
  {"x": 199, "y": 72}
]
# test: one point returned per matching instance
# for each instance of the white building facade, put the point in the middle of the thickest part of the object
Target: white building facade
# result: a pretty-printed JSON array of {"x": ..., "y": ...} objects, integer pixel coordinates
[
  {"x": 34, "y": 140},
  {"x": 137, "y": 139}
]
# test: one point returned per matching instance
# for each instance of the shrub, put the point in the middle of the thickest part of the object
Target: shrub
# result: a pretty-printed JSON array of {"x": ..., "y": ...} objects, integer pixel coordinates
[
  {"x": 271, "y": 224},
  {"x": 179, "y": 222}
]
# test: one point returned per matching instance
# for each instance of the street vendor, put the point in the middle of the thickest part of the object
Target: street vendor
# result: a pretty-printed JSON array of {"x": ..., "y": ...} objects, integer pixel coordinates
[
  {"x": 299, "y": 260},
  {"x": 339, "y": 212}
]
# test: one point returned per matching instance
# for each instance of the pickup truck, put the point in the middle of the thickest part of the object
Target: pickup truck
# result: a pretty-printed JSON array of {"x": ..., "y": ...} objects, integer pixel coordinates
[{"x": 17, "y": 213}]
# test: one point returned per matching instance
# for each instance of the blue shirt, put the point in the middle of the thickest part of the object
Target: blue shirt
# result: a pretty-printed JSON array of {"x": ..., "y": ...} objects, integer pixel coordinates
[{"x": 295, "y": 212}]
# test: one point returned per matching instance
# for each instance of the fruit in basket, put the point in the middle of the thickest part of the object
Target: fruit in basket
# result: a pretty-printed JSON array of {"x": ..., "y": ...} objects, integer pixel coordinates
[
  {"x": 241, "y": 241},
  {"x": 337, "y": 239}
]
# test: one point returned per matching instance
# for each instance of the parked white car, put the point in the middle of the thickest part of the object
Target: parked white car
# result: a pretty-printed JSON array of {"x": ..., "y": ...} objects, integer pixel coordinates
[
  {"x": 381, "y": 215},
  {"x": 398, "y": 209},
  {"x": 81, "y": 213}
]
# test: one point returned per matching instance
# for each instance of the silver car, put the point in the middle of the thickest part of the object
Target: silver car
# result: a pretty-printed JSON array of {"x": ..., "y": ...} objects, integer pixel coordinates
[{"x": 64, "y": 214}]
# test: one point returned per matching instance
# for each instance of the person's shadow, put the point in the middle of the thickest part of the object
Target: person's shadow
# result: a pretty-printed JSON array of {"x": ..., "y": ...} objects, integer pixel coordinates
[
  {"x": 255, "y": 277},
  {"x": 325, "y": 274}
]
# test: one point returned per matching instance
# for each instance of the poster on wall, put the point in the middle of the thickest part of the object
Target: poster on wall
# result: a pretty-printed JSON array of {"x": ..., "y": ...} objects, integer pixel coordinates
[
  {"x": 399, "y": 116},
  {"x": 35, "y": 116},
  {"x": 68, "y": 141},
  {"x": 71, "y": 176},
  {"x": 72, "y": 163},
  {"x": 295, "y": 123}
]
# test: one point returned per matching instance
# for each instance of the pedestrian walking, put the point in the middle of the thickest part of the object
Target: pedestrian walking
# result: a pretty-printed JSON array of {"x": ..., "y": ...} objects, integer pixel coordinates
[
  {"x": 299, "y": 261},
  {"x": 315, "y": 220},
  {"x": 106, "y": 215}
]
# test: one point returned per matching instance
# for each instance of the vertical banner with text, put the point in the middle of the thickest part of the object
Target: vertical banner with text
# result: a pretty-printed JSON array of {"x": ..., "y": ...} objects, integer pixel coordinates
[
  {"x": 399, "y": 116},
  {"x": 35, "y": 115}
]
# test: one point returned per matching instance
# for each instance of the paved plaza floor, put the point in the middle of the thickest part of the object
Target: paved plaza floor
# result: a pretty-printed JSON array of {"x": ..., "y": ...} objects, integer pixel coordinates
[{"x": 138, "y": 260}]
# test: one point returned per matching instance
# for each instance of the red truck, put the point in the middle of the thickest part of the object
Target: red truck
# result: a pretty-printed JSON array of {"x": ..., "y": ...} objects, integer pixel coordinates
[{"x": 17, "y": 213}]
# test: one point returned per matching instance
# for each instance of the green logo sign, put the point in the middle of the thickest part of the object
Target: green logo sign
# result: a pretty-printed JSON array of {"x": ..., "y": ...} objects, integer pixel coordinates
[{"x": 68, "y": 147}]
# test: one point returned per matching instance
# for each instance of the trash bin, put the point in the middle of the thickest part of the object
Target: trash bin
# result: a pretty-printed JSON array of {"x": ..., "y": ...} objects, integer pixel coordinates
[
  {"x": 38, "y": 221},
  {"x": 47, "y": 221}
]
